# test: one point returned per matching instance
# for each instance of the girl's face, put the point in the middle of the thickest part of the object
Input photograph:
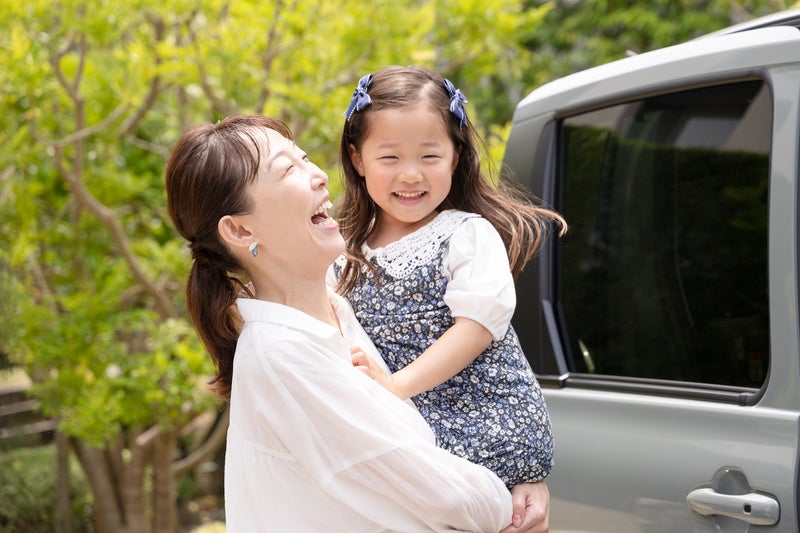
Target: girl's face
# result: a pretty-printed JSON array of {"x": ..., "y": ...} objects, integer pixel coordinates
[
  {"x": 289, "y": 217},
  {"x": 407, "y": 160}
]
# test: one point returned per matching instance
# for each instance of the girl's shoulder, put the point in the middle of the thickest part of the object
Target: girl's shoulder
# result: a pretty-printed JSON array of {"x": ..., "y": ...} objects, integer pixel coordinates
[
  {"x": 449, "y": 221},
  {"x": 432, "y": 234}
]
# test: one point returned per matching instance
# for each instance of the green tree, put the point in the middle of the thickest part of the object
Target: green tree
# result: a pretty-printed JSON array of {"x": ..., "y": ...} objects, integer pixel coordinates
[
  {"x": 576, "y": 35},
  {"x": 93, "y": 95}
]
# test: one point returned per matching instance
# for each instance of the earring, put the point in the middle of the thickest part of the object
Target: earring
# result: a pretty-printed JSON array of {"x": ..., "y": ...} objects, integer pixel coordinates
[{"x": 253, "y": 248}]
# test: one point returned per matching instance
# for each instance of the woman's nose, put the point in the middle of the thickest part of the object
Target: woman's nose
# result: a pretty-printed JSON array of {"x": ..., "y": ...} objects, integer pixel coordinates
[{"x": 318, "y": 177}]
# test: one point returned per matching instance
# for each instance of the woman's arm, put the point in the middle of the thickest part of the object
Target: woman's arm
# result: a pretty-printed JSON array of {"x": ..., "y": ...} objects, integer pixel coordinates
[{"x": 358, "y": 442}]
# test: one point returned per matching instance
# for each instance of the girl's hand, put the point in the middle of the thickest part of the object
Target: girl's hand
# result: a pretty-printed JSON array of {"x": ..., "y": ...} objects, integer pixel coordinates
[
  {"x": 369, "y": 367},
  {"x": 531, "y": 508}
]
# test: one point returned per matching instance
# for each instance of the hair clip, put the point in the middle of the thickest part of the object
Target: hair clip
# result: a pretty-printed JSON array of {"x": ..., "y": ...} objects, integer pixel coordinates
[
  {"x": 360, "y": 98},
  {"x": 457, "y": 101}
]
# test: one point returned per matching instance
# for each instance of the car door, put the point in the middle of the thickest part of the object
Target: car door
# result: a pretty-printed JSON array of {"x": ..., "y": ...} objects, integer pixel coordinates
[{"x": 664, "y": 326}]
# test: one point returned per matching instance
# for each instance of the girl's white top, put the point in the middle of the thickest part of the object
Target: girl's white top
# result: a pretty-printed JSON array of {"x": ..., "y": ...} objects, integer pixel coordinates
[{"x": 315, "y": 445}]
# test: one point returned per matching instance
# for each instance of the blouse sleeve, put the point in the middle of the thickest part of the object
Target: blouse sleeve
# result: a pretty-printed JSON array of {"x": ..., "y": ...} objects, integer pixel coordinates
[
  {"x": 480, "y": 285},
  {"x": 363, "y": 445}
]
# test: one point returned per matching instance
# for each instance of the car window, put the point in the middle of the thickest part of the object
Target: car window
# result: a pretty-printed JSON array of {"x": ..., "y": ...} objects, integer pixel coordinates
[{"x": 663, "y": 273}]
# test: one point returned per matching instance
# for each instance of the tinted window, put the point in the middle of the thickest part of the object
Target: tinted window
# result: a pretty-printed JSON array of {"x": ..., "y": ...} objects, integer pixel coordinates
[{"x": 664, "y": 269}]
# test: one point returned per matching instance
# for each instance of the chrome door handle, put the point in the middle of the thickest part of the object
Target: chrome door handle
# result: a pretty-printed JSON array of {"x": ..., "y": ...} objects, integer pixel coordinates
[{"x": 753, "y": 508}]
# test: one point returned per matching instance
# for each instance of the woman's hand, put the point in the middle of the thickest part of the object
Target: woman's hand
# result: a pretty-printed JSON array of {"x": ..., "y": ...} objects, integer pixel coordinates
[{"x": 531, "y": 508}]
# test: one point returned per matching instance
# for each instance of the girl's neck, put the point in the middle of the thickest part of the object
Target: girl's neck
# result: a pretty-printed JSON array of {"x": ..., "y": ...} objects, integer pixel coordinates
[{"x": 389, "y": 231}]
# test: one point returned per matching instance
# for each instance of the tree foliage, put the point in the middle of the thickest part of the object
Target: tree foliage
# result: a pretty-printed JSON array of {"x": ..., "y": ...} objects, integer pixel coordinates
[
  {"x": 93, "y": 95},
  {"x": 576, "y": 35}
]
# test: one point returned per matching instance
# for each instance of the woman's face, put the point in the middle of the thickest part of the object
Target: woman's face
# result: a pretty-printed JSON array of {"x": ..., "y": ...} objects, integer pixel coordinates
[{"x": 289, "y": 217}]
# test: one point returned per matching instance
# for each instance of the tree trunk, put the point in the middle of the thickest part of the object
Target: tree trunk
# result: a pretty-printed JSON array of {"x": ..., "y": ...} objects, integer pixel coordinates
[
  {"x": 165, "y": 519},
  {"x": 133, "y": 486},
  {"x": 63, "y": 517},
  {"x": 107, "y": 507}
]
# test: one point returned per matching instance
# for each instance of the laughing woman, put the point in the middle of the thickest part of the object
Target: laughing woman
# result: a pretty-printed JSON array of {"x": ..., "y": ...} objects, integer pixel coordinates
[{"x": 313, "y": 444}]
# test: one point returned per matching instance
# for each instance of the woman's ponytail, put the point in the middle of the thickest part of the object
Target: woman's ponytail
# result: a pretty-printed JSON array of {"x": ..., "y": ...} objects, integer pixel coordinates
[
  {"x": 210, "y": 299},
  {"x": 208, "y": 176}
]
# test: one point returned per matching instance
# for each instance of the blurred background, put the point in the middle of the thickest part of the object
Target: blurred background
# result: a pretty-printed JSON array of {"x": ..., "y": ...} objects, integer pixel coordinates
[{"x": 106, "y": 423}]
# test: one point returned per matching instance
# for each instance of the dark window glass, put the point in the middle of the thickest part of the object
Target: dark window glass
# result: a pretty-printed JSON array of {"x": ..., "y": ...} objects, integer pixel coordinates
[{"x": 664, "y": 268}]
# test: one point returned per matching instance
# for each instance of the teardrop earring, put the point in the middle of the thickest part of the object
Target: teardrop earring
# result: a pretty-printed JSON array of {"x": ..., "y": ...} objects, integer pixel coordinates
[{"x": 253, "y": 248}]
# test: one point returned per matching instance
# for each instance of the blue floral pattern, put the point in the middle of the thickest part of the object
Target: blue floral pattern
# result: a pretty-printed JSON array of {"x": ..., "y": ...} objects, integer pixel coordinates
[{"x": 492, "y": 412}]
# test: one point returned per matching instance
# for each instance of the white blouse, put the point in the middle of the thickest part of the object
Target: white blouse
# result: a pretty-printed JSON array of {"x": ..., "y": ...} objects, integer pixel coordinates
[{"x": 315, "y": 445}]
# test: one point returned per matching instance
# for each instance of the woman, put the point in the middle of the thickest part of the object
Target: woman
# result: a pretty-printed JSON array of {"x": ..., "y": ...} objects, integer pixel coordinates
[{"x": 313, "y": 444}]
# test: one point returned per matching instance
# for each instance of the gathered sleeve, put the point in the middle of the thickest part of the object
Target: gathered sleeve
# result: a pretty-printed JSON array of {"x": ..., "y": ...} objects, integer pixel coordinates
[
  {"x": 358, "y": 442},
  {"x": 480, "y": 284}
]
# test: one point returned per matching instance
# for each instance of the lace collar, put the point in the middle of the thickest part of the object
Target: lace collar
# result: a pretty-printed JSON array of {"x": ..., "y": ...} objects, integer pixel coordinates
[{"x": 419, "y": 247}]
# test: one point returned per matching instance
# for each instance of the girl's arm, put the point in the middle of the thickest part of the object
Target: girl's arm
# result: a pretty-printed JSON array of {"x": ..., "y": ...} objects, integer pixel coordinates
[
  {"x": 452, "y": 352},
  {"x": 480, "y": 294}
]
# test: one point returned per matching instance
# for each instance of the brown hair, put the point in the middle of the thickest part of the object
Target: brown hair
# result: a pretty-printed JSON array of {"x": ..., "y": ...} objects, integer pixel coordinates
[
  {"x": 522, "y": 225},
  {"x": 207, "y": 177}
]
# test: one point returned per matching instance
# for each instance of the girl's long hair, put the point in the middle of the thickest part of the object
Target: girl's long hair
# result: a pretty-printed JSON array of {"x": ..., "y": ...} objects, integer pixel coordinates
[
  {"x": 522, "y": 224},
  {"x": 207, "y": 177}
]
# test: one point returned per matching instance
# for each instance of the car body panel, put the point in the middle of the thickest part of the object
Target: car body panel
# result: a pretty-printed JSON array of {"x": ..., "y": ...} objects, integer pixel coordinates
[{"x": 628, "y": 451}]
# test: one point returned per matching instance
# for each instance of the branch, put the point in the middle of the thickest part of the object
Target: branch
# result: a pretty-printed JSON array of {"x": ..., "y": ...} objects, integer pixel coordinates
[
  {"x": 108, "y": 218},
  {"x": 148, "y": 146},
  {"x": 209, "y": 446},
  {"x": 87, "y": 132},
  {"x": 217, "y": 103},
  {"x": 155, "y": 84},
  {"x": 146, "y": 438},
  {"x": 73, "y": 176}
]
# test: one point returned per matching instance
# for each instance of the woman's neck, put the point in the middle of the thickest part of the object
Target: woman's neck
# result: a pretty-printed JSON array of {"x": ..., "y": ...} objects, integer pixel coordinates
[{"x": 310, "y": 298}]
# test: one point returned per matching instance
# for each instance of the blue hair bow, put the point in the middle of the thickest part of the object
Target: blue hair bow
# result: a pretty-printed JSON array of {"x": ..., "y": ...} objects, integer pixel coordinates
[
  {"x": 457, "y": 101},
  {"x": 360, "y": 98}
]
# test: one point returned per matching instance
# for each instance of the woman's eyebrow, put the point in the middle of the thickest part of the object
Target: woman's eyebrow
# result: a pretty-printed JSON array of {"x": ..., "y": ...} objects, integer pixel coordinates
[{"x": 275, "y": 157}]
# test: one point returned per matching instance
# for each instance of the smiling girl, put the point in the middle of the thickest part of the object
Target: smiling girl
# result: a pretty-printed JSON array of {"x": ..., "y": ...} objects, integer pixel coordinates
[{"x": 432, "y": 250}]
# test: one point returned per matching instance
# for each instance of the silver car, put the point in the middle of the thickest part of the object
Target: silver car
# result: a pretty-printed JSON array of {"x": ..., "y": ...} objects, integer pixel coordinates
[{"x": 665, "y": 326}]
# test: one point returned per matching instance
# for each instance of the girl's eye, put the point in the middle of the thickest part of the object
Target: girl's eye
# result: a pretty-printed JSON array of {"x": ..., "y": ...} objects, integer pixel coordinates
[{"x": 388, "y": 157}]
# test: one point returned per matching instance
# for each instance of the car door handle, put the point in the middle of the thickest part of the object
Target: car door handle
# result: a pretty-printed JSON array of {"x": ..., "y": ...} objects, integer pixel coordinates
[{"x": 753, "y": 508}]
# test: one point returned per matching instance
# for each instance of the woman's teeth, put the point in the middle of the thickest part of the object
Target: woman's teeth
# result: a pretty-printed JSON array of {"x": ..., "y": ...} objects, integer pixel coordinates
[{"x": 320, "y": 216}]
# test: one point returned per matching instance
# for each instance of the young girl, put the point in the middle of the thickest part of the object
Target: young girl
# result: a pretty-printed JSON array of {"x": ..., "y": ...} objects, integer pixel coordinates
[{"x": 432, "y": 249}]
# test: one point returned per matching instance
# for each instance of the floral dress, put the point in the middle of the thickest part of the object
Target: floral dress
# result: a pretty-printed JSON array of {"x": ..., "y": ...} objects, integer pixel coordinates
[{"x": 492, "y": 412}]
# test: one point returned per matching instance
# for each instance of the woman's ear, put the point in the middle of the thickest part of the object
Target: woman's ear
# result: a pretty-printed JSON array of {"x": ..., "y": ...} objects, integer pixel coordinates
[
  {"x": 355, "y": 159},
  {"x": 233, "y": 231}
]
